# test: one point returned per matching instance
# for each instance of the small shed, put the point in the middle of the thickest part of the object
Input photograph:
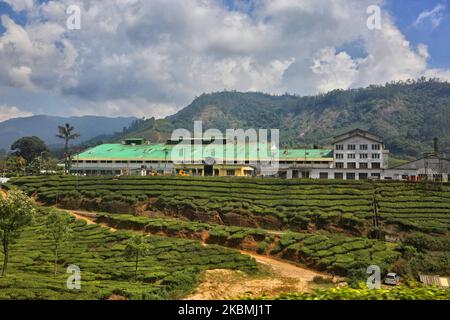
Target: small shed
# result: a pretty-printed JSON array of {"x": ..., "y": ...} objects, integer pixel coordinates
[{"x": 435, "y": 280}]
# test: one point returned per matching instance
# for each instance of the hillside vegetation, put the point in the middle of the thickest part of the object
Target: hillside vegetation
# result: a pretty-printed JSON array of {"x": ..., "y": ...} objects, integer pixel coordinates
[
  {"x": 169, "y": 271},
  {"x": 326, "y": 224},
  {"x": 297, "y": 205},
  {"x": 408, "y": 115}
]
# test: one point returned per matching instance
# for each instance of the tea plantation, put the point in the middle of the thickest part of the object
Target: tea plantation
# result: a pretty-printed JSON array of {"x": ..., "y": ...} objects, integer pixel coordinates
[
  {"x": 169, "y": 271},
  {"x": 401, "y": 292},
  {"x": 267, "y": 203},
  {"x": 334, "y": 253}
]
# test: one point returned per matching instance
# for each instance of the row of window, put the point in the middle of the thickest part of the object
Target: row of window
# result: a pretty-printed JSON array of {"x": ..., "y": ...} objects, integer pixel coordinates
[
  {"x": 362, "y": 165},
  {"x": 361, "y": 147},
  {"x": 349, "y": 175},
  {"x": 156, "y": 162},
  {"x": 117, "y": 161},
  {"x": 361, "y": 156}
]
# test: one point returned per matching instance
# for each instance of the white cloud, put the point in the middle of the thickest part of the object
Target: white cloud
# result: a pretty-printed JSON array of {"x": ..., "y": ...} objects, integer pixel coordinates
[
  {"x": 148, "y": 58},
  {"x": 19, "y": 5},
  {"x": 9, "y": 112},
  {"x": 335, "y": 71},
  {"x": 435, "y": 16}
]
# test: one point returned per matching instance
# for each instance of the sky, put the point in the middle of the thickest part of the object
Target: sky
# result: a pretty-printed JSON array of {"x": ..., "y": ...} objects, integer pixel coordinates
[{"x": 153, "y": 57}]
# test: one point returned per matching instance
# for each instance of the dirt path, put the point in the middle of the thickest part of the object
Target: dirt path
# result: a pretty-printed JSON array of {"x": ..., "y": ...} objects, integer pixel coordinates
[
  {"x": 279, "y": 276},
  {"x": 283, "y": 277},
  {"x": 3, "y": 193},
  {"x": 89, "y": 217},
  {"x": 286, "y": 269}
]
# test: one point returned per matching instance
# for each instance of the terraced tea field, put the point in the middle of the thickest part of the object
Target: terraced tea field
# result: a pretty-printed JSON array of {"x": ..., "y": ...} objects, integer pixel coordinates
[
  {"x": 169, "y": 271},
  {"x": 267, "y": 203},
  {"x": 337, "y": 254}
]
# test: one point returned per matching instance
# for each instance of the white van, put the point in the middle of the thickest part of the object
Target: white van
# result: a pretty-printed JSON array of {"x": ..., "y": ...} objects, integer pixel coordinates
[{"x": 392, "y": 279}]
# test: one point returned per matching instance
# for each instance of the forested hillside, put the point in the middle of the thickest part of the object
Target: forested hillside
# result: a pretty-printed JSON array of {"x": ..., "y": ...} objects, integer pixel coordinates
[{"x": 407, "y": 114}]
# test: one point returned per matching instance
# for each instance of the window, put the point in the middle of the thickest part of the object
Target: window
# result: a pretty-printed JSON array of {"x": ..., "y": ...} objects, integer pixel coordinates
[
  {"x": 375, "y": 156},
  {"x": 363, "y": 165},
  {"x": 339, "y": 156},
  {"x": 376, "y": 165},
  {"x": 230, "y": 172},
  {"x": 375, "y": 147},
  {"x": 363, "y": 156},
  {"x": 351, "y": 165},
  {"x": 339, "y": 175},
  {"x": 339, "y": 165},
  {"x": 323, "y": 175},
  {"x": 351, "y": 147},
  {"x": 339, "y": 147},
  {"x": 351, "y": 156},
  {"x": 363, "y": 147},
  {"x": 363, "y": 176},
  {"x": 351, "y": 176}
]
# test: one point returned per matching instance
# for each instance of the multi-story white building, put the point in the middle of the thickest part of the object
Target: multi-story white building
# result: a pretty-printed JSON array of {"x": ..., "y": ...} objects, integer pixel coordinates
[{"x": 360, "y": 155}]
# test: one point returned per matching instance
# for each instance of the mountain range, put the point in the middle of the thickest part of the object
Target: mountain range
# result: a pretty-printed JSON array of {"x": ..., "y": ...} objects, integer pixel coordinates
[
  {"x": 46, "y": 128},
  {"x": 408, "y": 115}
]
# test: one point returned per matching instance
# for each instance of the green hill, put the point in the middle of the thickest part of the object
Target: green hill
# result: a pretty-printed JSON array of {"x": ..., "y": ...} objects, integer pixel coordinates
[{"x": 407, "y": 114}]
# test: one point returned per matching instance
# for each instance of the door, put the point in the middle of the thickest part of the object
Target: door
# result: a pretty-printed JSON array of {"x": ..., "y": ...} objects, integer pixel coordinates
[{"x": 208, "y": 170}]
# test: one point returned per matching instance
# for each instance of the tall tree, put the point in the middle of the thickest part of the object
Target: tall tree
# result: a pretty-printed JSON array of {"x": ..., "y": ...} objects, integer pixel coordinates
[
  {"x": 136, "y": 248},
  {"x": 67, "y": 133},
  {"x": 29, "y": 148},
  {"x": 16, "y": 212},
  {"x": 58, "y": 231}
]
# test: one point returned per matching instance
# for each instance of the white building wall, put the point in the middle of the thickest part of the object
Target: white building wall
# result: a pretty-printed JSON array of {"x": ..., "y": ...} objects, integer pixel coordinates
[{"x": 343, "y": 149}]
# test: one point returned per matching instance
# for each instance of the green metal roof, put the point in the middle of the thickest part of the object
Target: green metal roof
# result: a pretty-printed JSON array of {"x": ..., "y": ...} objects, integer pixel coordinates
[{"x": 158, "y": 152}]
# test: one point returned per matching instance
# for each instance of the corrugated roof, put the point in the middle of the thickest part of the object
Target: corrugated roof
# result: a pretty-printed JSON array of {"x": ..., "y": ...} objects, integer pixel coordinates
[{"x": 158, "y": 152}]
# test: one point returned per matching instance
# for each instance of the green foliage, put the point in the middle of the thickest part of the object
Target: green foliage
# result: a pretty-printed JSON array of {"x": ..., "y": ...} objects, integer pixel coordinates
[
  {"x": 136, "y": 248},
  {"x": 29, "y": 148},
  {"x": 169, "y": 270},
  {"x": 16, "y": 212},
  {"x": 363, "y": 293},
  {"x": 58, "y": 230},
  {"x": 269, "y": 203},
  {"x": 336, "y": 253}
]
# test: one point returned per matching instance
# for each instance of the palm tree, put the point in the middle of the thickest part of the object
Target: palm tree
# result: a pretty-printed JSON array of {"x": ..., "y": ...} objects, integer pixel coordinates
[{"x": 67, "y": 133}]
